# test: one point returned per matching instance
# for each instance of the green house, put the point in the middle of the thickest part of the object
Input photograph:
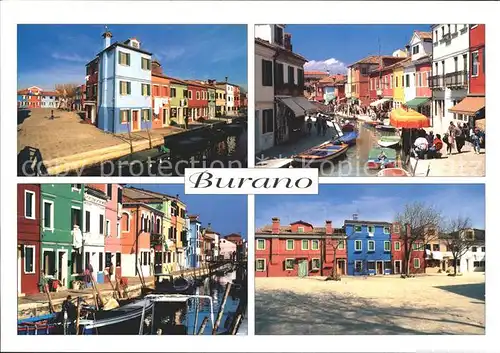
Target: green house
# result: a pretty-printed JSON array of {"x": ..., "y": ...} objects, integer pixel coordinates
[
  {"x": 178, "y": 101},
  {"x": 61, "y": 209}
]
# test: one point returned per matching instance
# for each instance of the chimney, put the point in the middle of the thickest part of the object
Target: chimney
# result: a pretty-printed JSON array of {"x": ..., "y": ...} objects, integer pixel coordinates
[
  {"x": 288, "y": 41},
  {"x": 329, "y": 228},
  {"x": 209, "y": 226},
  {"x": 407, "y": 49},
  {"x": 107, "y": 38},
  {"x": 276, "y": 225},
  {"x": 156, "y": 68},
  {"x": 355, "y": 217},
  {"x": 177, "y": 196},
  {"x": 226, "y": 79}
]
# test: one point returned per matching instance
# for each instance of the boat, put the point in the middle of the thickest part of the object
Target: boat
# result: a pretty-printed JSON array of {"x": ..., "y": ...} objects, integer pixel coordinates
[
  {"x": 39, "y": 325},
  {"x": 275, "y": 163},
  {"x": 389, "y": 141},
  {"x": 327, "y": 151},
  {"x": 387, "y": 128},
  {"x": 344, "y": 138},
  {"x": 393, "y": 172},
  {"x": 375, "y": 162},
  {"x": 348, "y": 127},
  {"x": 371, "y": 123},
  {"x": 174, "y": 285}
]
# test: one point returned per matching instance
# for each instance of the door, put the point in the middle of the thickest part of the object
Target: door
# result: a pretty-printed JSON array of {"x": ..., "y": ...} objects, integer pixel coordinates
[
  {"x": 135, "y": 120},
  {"x": 62, "y": 267},
  {"x": 303, "y": 268},
  {"x": 165, "y": 117},
  {"x": 397, "y": 267},
  {"x": 19, "y": 259},
  {"x": 380, "y": 267},
  {"x": 341, "y": 267}
]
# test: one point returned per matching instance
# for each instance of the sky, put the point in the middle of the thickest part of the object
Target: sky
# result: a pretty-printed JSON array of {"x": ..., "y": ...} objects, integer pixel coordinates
[
  {"x": 50, "y": 54},
  {"x": 226, "y": 213},
  {"x": 372, "y": 202},
  {"x": 337, "y": 46}
]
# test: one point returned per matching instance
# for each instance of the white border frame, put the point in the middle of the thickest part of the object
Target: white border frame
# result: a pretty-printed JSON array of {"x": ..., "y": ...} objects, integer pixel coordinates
[{"x": 34, "y": 259}]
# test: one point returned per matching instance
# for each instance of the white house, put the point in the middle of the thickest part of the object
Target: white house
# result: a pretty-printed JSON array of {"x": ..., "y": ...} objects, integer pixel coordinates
[
  {"x": 95, "y": 229},
  {"x": 449, "y": 81},
  {"x": 227, "y": 249},
  {"x": 475, "y": 258},
  {"x": 264, "y": 96}
]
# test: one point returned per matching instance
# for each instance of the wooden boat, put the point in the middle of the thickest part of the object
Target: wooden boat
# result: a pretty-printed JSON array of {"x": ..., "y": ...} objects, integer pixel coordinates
[
  {"x": 179, "y": 285},
  {"x": 371, "y": 123},
  {"x": 347, "y": 138},
  {"x": 375, "y": 162},
  {"x": 39, "y": 325},
  {"x": 327, "y": 151},
  {"x": 387, "y": 128},
  {"x": 393, "y": 172},
  {"x": 389, "y": 141},
  {"x": 275, "y": 163},
  {"x": 348, "y": 127}
]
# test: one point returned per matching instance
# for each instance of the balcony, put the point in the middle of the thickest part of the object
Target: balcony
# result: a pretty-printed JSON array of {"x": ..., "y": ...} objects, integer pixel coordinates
[
  {"x": 457, "y": 79},
  {"x": 287, "y": 89},
  {"x": 156, "y": 239},
  {"x": 436, "y": 82}
]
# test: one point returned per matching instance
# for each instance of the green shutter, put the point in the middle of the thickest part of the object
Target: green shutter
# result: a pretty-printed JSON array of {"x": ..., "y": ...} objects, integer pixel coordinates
[{"x": 128, "y": 59}]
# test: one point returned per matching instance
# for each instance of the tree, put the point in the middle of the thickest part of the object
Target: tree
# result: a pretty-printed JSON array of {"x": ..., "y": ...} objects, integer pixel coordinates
[
  {"x": 416, "y": 224},
  {"x": 459, "y": 238},
  {"x": 67, "y": 94},
  {"x": 334, "y": 242}
]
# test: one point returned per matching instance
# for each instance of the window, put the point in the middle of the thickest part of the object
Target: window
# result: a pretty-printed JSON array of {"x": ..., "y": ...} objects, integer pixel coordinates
[
  {"x": 314, "y": 244},
  {"x": 76, "y": 216},
  {"x": 415, "y": 49},
  {"x": 267, "y": 121},
  {"x": 305, "y": 244},
  {"x": 387, "y": 246},
  {"x": 357, "y": 229},
  {"x": 125, "y": 88},
  {"x": 124, "y": 116},
  {"x": 357, "y": 245},
  {"x": 145, "y": 64},
  {"x": 76, "y": 262},
  {"x": 371, "y": 229},
  {"x": 87, "y": 221},
  {"x": 49, "y": 262},
  {"x": 289, "y": 244},
  {"x": 300, "y": 229},
  {"x": 278, "y": 35},
  {"x": 101, "y": 262},
  {"x": 123, "y": 58},
  {"x": 371, "y": 265},
  {"x": 483, "y": 249},
  {"x": 108, "y": 259},
  {"x": 173, "y": 92},
  {"x": 341, "y": 245},
  {"x": 101, "y": 224},
  {"x": 267, "y": 73},
  {"x": 407, "y": 79},
  {"x": 48, "y": 215},
  {"x": 291, "y": 75},
  {"x": 29, "y": 259},
  {"x": 29, "y": 204},
  {"x": 76, "y": 187},
  {"x": 397, "y": 246},
  {"x": 118, "y": 259},
  {"x": 164, "y": 91},
  {"x": 358, "y": 266},
  {"x": 371, "y": 245},
  {"x": 289, "y": 264},
  {"x": 146, "y": 115},
  {"x": 475, "y": 63},
  {"x": 109, "y": 190},
  {"x": 403, "y": 81},
  {"x": 474, "y": 249},
  {"x": 260, "y": 265},
  {"x": 108, "y": 228},
  {"x": 197, "y": 95},
  {"x": 397, "y": 82},
  {"x": 261, "y": 244},
  {"x": 146, "y": 89},
  {"x": 416, "y": 262},
  {"x": 387, "y": 230},
  {"x": 300, "y": 77},
  {"x": 315, "y": 264}
]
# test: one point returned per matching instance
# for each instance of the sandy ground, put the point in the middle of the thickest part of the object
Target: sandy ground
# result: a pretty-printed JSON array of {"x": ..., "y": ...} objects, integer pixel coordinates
[{"x": 387, "y": 305}]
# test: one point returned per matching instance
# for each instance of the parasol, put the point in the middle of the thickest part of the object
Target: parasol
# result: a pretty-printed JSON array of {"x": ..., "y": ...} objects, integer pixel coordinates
[{"x": 408, "y": 118}]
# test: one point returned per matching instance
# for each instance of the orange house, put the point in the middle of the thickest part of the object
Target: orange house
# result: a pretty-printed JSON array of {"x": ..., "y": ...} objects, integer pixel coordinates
[
  {"x": 141, "y": 228},
  {"x": 160, "y": 96}
]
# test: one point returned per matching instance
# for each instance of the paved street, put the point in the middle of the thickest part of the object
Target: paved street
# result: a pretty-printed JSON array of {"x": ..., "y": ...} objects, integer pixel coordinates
[
  {"x": 67, "y": 138},
  {"x": 387, "y": 305}
]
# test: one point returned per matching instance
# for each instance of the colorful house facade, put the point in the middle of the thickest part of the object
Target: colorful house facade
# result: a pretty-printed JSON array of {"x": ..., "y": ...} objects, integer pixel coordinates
[
  {"x": 398, "y": 92},
  {"x": 211, "y": 100},
  {"x": 28, "y": 239},
  {"x": 124, "y": 88},
  {"x": 197, "y": 100},
  {"x": 49, "y": 99},
  {"x": 30, "y": 97},
  {"x": 91, "y": 95},
  {"x": 178, "y": 101},
  {"x": 160, "y": 96},
  {"x": 368, "y": 247},
  {"x": 220, "y": 101},
  {"x": 193, "y": 252},
  {"x": 61, "y": 212},
  {"x": 299, "y": 249}
]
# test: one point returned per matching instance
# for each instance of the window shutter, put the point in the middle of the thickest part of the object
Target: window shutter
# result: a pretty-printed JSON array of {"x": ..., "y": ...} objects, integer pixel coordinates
[
  {"x": 264, "y": 72},
  {"x": 129, "y": 88},
  {"x": 128, "y": 59}
]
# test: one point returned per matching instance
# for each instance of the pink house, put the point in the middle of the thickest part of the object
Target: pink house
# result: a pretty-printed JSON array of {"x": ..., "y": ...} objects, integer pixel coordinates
[{"x": 227, "y": 248}]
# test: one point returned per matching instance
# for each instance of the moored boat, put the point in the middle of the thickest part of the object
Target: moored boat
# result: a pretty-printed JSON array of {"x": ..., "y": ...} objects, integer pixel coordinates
[
  {"x": 275, "y": 163},
  {"x": 347, "y": 138},
  {"x": 389, "y": 141},
  {"x": 393, "y": 172},
  {"x": 387, "y": 128},
  {"x": 327, "y": 151},
  {"x": 38, "y": 325},
  {"x": 380, "y": 158}
]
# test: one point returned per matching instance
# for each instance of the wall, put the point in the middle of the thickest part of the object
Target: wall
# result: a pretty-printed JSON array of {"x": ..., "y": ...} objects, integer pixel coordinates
[
  {"x": 227, "y": 248},
  {"x": 175, "y": 102},
  {"x": 477, "y": 43},
  {"x": 424, "y": 47},
  {"x": 161, "y": 84},
  {"x": 410, "y": 89},
  {"x": 398, "y": 89},
  {"x": 265, "y": 32},
  {"x": 425, "y": 71}
]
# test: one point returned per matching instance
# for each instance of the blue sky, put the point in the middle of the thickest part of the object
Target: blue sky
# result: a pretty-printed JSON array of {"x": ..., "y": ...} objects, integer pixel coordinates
[
  {"x": 337, "y": 46},
  {"x": 227, "y": 213},
  {"x": 50, "y": 54},
  {"x": 373, "y": 202}
]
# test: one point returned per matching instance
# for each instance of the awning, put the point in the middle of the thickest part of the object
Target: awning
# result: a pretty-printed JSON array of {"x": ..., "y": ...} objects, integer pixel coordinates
[
  {"x": 299, "y": 105},
  {"x": 380, "y": 101},
  {"x": 468, "y": 106},
  {"x": 417, "y": 102}
]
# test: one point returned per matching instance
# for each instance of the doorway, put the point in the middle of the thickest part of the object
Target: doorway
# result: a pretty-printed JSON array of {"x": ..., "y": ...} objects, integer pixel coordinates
[
  {"x": 135, "y": 120},
  {"x": 165, "y": 117},
  {"x": 380, "y": 267},
  {"x": 62, "y": 266},
  {"x": 341, "y": 267},
  {"x": 303, "y": 268},
  {"x": 397, "y": 267}
]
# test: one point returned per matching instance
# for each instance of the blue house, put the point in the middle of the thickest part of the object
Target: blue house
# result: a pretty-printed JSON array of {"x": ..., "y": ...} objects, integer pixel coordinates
[
  {"x": 368, "y": 247},
  {"x": 194, "y": 242},
  {"x": 22, "y": 101},
  {"x": 124, "y": 86}
]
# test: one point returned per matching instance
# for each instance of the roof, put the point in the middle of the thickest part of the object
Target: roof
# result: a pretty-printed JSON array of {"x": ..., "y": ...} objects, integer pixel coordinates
[
  {"x": 136, "y": 193},
  {"x": 176, "y": 80},
  {"x": 372, "y": 59},
  {"x": 95, "y": 192},
  {"x": 422, "y": 60},
  {"x": 279, "y": 49},
  {"x": 353, "y": 221},
  {"x": 196, "y": 83},
  {"x": 318, "y": 73},
  {"x": 299, "y": 105},
  {"x": 424, "y": 35},
  {"x": 123, "y": 45},
  {"x": 301, "y": 222},
  {"x": 141, "y": 204},
  {"x": 398, "y": 64},
  {"x": 287, "y": 230}
]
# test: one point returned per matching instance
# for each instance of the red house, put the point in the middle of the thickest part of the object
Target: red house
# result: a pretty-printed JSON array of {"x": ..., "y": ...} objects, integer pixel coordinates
[
  {"x": 237, "y": 101},
  {"x": 399, "y": 249},
  {"x": 382, "y": 78},
  {"x": 197, "y": 100},
  {"x": 340, "y": 90},
  {"x": 477, "y": 60},
  {"x": 91, "y": 84},
  {"x": 28, "y": 238},
  {"x": 299, "y": 249}
]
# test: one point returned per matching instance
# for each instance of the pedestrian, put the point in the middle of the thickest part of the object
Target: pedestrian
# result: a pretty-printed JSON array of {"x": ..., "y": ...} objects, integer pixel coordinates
[
  {"x": 89, "y": 270},
  {"x": 446, "y": 140},
  {"x": 435, "y": 147},
  {"x": 309, "y": 125},
  {"x": 452, "y": 129},
  {"x": 430, "y": 138},
  {"x": 476, "y": 140},
  {"x": 186, "y": 122},
  {"x": 459, "y": 138},
  {"x": 324, "y": 126},
  {"x": 318, "y": 125},
  {"x": 52, "y": 114}
]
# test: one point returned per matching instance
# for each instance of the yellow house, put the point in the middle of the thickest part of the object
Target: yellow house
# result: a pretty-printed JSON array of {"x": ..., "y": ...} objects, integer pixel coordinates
[
  {"x": 398, "y": 90},
  {"x": 220, "y": 101}
]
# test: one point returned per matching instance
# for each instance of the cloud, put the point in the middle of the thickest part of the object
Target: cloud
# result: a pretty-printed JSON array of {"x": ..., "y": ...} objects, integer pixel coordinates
[
  {"x": 170, "y": 54},
  {"x": 70, "y": 57},
  {"x": 46, "y": 78},
  {"x": 333, "y": 65}
]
